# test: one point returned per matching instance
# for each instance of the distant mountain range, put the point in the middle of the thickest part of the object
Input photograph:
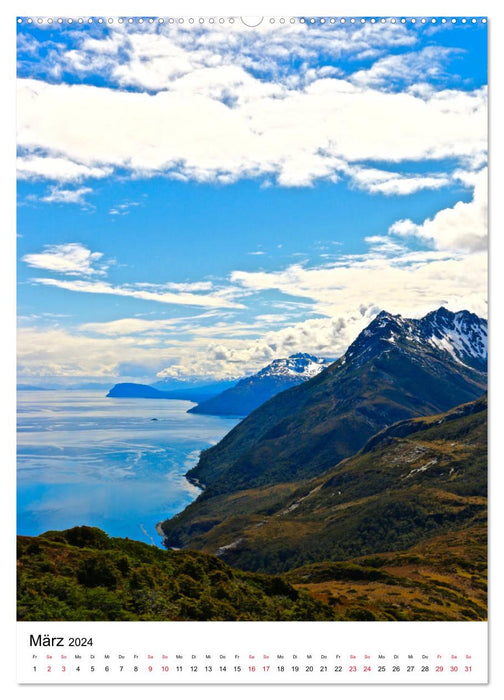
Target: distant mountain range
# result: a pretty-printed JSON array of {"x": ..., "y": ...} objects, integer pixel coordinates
[
  {"x": 249, "y": 393},
  {"x": 284, "y": 452},
  {"x": 230, "y": 398}
]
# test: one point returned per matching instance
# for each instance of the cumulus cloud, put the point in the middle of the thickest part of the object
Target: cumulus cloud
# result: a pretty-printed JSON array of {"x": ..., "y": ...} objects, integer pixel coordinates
[
  {"x": 309, "y": 134},
  {"x": 150, "y": 58},
  {"x": 462, "y": 227},
  {"x": 67, "y": 258}
]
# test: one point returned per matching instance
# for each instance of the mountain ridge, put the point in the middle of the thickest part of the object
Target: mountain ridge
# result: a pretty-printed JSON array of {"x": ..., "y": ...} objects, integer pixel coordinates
[
  {"x": 250, "y": 392},
  {"x": 329, "y": 417},
  {"x": 391, "y": 372}
]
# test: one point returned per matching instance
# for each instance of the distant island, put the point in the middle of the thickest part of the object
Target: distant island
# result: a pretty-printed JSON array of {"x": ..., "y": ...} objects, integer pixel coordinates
[{"x": 131, "y": 390}]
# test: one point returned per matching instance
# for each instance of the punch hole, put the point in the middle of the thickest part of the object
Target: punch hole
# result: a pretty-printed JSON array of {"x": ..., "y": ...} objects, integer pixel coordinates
[{"x": 252, "y": 21}]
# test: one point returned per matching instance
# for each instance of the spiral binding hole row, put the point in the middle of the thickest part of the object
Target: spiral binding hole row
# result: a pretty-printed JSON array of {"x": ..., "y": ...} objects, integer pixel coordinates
[{"x": 232, "y": 20}]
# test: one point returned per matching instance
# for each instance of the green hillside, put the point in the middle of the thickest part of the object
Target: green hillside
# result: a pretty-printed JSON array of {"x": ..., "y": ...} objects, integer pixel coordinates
[
  {"x": 415, "y": 480},
  {"x": 305, "y": 430},
  {"x": 82, "y": 574}
]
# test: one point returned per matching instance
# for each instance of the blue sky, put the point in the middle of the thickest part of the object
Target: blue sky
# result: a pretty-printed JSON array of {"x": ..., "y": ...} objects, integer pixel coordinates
[{"x": 194, "y": 201}]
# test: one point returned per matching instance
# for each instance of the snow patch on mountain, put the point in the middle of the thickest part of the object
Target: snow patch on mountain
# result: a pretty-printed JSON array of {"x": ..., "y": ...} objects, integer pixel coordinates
[
  {"x": 461, "y": 334},
  {"x": 299, "y": 366}
]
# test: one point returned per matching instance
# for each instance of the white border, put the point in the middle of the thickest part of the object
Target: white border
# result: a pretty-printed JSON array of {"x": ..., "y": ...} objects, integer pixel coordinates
[{"x": 7, "y": 281}]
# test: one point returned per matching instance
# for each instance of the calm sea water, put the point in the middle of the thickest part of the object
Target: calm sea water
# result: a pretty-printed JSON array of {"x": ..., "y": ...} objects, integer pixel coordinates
[{"x": 117, "y": 464}]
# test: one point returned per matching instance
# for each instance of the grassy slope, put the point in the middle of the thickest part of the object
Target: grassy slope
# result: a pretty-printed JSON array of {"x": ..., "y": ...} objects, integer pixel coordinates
[
  {"x": 418, "y": 479},
  {"x": 442, "y": 578}
]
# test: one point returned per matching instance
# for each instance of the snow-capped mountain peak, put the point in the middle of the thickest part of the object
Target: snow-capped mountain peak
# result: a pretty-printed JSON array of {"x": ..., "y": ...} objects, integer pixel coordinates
[
  {"x": 299, "y": 366},
  {"x": 462, "y": 335}
]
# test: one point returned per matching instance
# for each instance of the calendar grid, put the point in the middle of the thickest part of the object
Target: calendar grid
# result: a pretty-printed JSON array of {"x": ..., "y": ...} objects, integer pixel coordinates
[{"x": 267, "y": 653}]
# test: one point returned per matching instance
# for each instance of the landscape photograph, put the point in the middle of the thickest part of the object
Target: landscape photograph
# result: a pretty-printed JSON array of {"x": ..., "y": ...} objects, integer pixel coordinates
[{"x": 252, "y": 319}]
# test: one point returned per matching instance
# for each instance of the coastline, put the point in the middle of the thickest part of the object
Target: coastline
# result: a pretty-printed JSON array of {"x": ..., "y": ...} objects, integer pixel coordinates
[{"x": 194, "y": 482}]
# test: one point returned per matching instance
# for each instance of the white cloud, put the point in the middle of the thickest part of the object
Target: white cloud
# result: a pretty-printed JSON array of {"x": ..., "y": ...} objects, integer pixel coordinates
[
  {"x": 129, "y": 326},
  {"x": 346, "y": 295},
  {"x": 61, "y": 196},
  {"x": 190, "y": 286},
  {"x": 60, "y": 169},
  {"x": 123, "y": 209},
  {"x": 68, "y": 258},
  {"x": 311, "y": 133},
  {"x": 215, "y": 300},
  {"x": 384, "y": 244},
  {"x": 426, "y": 64},
  {"x": 59, "y": 353},
  {"x": 403, "y": 227},
  {"x": 152, "y": 57},
  {"x": 393, "y": 183},
  {"x": 425, "y": 280},
  {"x": 462, "y": 227}
]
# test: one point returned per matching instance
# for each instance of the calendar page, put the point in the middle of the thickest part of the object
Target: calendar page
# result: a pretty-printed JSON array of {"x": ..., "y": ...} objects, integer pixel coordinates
[{"x": 252, "y": 349}]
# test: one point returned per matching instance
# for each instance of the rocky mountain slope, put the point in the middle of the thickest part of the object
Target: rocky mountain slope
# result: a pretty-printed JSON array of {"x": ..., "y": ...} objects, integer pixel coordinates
[{"x": 249, "y": 393}]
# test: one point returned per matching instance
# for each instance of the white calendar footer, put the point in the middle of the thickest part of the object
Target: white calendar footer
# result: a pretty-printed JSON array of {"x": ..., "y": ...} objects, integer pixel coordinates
[{"x": 252, "y": 652}]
